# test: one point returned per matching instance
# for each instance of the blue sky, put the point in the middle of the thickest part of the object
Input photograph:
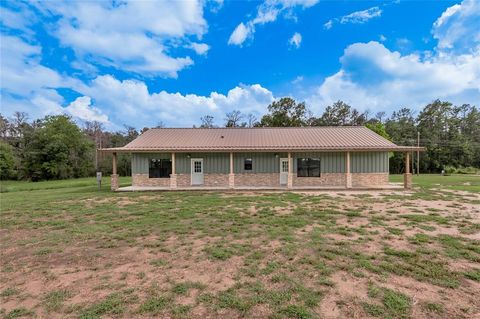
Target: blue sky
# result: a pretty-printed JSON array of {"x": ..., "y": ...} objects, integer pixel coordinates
[{"x": 140, "y": 63}]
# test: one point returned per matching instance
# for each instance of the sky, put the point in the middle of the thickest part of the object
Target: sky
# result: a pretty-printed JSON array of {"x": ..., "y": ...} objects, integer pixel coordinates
[{"x": 146, "y": 63}]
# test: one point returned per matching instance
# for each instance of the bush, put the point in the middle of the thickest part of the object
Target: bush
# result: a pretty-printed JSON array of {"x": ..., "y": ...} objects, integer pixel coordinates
[{"x": 461, "y": 170}]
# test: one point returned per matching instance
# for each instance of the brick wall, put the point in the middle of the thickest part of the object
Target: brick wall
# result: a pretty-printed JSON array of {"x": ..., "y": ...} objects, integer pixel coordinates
[
  {"x": 267, "y": 180},
  {"x": 325, "y": 179},
  {"x": 258, "y": 179},
  {"x": 369, "y": 179},
  {"x": 143, "y": 180},
  {"x": 183, "y": 180},
  {"x": 220, "y": 180}
]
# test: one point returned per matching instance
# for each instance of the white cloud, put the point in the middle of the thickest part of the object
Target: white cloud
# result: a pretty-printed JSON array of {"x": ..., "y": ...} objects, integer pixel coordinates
[
  {"x": 239, "y": 35},
  {"x": 376, "y": 78},
  {"x": 328, "y": 25},
  {"x": 200, "y": 48},
  {"x": 457, "y": 29},
  {"x": 128, "y": 35},
  {"x": 295, "y": 40},
  {"x": 361, "y": 16},
  {"x": 130, "y": 102},
  {"x": 358, "y": 17},
  {"x": 373, "y": 77},
  {"x": 267, "y": 12},
  {"x": 297, "y": 80},
  {"x": 82, "y": 109},
  {"x": 382, "y": 38}
]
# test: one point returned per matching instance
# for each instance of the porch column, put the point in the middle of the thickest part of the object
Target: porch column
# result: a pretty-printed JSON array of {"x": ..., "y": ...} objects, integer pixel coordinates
[
  {"x": 231, "y": 176},
  {"x": 173, "y": 176},
  {"x": 348, "y": 174},
  {"x": 114, "y": 177},
  {"x": 407, "y": 177},
  {"x": 290, "y": 171}
]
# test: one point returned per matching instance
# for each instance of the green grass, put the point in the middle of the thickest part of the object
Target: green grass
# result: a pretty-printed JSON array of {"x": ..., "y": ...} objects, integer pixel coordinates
[
  {"x": 141, "y": 249},
  {"x": 469, "y": 183}
]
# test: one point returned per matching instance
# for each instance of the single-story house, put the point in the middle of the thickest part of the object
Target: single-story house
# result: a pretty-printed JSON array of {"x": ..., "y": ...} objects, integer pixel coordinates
[{"x": 241, "y": 158}]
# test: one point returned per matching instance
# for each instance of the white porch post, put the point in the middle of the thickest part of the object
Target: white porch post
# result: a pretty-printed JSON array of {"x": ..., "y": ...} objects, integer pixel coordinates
[
  {"x": 290, "y": 171},
  {"x": 114, "y": 178},
  {"x": 173, "y": 176},
  {"x": 348, "y": 174},
  {"x": 231, "y": 176}
]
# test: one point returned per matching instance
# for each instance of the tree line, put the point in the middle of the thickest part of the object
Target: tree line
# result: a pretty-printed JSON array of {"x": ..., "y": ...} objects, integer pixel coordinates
[{"x": 55, "y": 147}]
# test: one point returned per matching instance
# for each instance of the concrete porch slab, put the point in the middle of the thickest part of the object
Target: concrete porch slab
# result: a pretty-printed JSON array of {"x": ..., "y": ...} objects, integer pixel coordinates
[{"x": 391, "y": 186}]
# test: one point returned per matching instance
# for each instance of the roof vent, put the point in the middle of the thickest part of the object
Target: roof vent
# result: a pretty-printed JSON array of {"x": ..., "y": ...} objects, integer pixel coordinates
[{"x": 222, "y": 136}]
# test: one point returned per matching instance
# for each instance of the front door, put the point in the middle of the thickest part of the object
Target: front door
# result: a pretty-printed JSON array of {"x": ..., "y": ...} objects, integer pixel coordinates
[
  {"x": 197, "y": 171},
  {"x": 283, "y": 171}
]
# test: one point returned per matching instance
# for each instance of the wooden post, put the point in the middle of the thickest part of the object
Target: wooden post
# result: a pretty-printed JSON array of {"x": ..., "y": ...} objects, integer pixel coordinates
[
  {"x": 418, "y": 153},
  {"x": 231, "y": 176},
  {"x": 114, "y": 163},
  {"x": 407, "y": 177},
  {"x": 114, "y": 178},
  {"x": 290, "y": 171},
  {"x": 173, "y": 176},
  {"x": 348, "y": 174}
]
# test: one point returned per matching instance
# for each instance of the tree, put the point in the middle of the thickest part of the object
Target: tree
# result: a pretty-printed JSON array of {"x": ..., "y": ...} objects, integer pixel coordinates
[
  {"x": 378, "y": 128},
  {"x": 402, "y": 131},
  {"x": 57, "y": 149},
  {"x": 251, "y": 120},
  {"x": 340, "y": 114},
  {"x": 234, "y": 118},
  {"x": 7, "y": 161},
  {"x": 4, "y": 127},
  {"x": 285, "y": 112},
  {"x": 207, "y": 121}
]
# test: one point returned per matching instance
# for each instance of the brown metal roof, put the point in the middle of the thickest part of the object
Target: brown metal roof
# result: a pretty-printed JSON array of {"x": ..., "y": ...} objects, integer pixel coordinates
[{"x": 260, "y": 139}]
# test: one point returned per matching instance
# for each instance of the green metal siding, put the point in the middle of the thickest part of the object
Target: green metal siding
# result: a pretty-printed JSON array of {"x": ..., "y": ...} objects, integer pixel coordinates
[
  {"x": 261, "y": 162},
  {"x": 369, "y": 162},
  {"x": 218, "y": 163},
  {"x": 141, "y": 161},
  {"x": 361, "y": 162}
]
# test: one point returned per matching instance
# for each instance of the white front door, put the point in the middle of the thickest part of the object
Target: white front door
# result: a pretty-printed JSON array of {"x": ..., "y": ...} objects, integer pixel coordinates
[
  {"x": 283, "y": 171},
  {"x": 197, "y": 171}
]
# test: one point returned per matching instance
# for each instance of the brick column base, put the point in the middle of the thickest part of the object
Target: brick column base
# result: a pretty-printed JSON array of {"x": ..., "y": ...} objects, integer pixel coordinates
[
  {"x": 173, "y": 180},
  {"x": 114, "y": 182},
  {"x": 348, "y": 180},
  {"x": 231, "y": 180},
  {"x": 407, "y": 181},
  {"x": 290, "y": 181}
]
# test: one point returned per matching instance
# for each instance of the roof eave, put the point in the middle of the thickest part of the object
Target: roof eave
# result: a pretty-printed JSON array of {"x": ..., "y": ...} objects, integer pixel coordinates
[{"x": 285, "y": 149}]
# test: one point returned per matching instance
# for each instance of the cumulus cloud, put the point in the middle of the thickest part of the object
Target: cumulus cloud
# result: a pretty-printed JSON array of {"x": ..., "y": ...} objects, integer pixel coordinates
[
  {"x": 373, "y": 77},
  {"x": 82, "y": 109},
  {"x": 267, "y": 12},
  {"x": 130, "y": 101},
  {"x": 358, "y": 17},
  {"x": 295, "y": 40},
  {"x": 457, "y": 29},
  {"x": 376, "y": 78},
  {"x": 128, "y": 35}
]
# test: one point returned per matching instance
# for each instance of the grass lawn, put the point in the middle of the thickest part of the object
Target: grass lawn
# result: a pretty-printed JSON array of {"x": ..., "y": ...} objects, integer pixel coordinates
[{"x": 70, "y": 250}]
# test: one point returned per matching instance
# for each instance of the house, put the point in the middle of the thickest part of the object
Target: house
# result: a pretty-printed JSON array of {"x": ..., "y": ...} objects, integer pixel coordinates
[{"x": 242, "y": 158}]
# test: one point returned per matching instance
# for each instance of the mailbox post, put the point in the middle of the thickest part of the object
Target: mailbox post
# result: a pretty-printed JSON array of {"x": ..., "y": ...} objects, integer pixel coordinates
[{"x": 99, "y": 180}]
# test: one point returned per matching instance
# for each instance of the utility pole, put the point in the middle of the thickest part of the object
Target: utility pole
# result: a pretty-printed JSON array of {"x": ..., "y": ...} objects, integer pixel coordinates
[{"x": 418, "y": 153}]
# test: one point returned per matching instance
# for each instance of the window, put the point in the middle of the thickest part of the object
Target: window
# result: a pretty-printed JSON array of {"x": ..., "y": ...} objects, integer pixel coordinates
[
  {"x": 197, "y": 166},
  {"x": 248, "y": 164},
  {"x": 308, "y": 167},
  {"x": 160, "y": 168}
]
